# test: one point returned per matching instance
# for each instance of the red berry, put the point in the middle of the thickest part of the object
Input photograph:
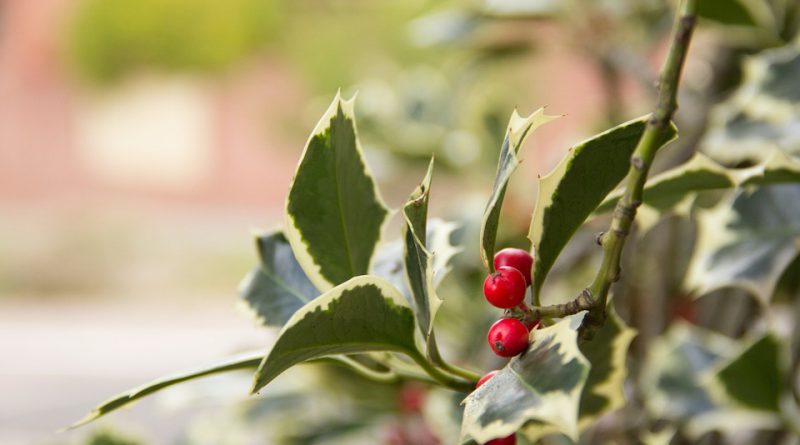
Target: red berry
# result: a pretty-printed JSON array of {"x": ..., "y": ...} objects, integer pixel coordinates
[
  {"x": 509, "y": 440},
  {"x": 508, "y": 337},
  {"x": 516, "y": 258},
  {"x": 412, "y": 398},
  {"x": 505, "y": 288},
  {"x": 485, "y": 378}
]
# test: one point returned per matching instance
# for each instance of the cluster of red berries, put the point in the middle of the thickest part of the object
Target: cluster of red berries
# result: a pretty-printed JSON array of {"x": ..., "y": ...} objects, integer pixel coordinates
[{"x": 505, "y": 288}]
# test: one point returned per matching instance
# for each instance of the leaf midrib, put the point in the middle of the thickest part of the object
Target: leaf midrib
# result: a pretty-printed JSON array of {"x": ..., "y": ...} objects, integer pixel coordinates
[
  {"x": 281, "y": 283},
  {"x": 339, "y": 195}
]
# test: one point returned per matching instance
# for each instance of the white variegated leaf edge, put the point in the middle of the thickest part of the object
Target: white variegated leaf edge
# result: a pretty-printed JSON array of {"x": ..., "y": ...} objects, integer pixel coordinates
[
  {"x": 519, "y": 128},
  {"x": 434, "y": 302},
  {"x": 441, "y": 249},
  {"x": 649, "y": 216},
  {"x": 293, "y": 235},
  {"x": 663, "y": 437},
  {"x": 613, "y": 388},
  {"x": 717, "y": 391},
  {"x": 727, "y": 420},
  {"x": 324, "y": 301},
  {"x": 388, "y": 291},
  {"x": 712, "y": 231},
  {"x": 660, "y": 351},
  {"x": 562, "y": 413}
]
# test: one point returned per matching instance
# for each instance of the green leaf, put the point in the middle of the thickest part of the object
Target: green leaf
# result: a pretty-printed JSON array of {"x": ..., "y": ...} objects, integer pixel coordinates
[
  {"x": 418, "y": 261},
  {"x": 518, "y": 129},
  {"x": 278, "y": 287},
  {"x": 728, "y": 12},
  {"x": 676, "y": 383},
  {"x": 537, "y": 392},
  {"x": 665, "y": 190},
  {"x": 702, "y": 173},
  {"x": 747, "y": 241},
  {"x": 244, "y": 361},
  {"x": 415, "y": 210},
  {"x": 606, "y": 353},
  {"x": 754, "y": 378},
  {"x": 363, "y": 314},
  {"x": 334, "y": 211},
  {"x": 574, "y": 189},
  {"x": 389, "y": 260}
]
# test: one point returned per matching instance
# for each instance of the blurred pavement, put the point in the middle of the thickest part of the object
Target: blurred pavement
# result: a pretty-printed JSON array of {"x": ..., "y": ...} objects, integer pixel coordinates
[{"x": 61, "y": 359}]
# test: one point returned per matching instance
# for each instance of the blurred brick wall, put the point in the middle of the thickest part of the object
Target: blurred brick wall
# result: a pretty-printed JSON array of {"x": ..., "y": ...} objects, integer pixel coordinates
[{"x": 41, "y": 135}]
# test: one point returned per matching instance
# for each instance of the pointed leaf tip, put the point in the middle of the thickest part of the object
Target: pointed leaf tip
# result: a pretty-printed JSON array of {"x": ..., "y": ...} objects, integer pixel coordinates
[
  {"x": 518, "y": 129},
  {"x": 334, "y": 212}
]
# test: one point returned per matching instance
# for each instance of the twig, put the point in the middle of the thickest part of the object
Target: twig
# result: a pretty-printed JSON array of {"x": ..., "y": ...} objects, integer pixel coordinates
[{"x": 595, "y": 297}]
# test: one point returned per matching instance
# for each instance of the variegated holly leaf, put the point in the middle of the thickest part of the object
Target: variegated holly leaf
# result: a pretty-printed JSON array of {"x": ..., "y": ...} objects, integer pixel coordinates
[
  {"x": 578, "y": 184},
  {"x": 418, "y": 261},
  {"x": 363, "y": 314},
  {"x": 763, "y": 113},
  {"x": 537, "y": 392},
  {"x": 388, "y": 262},
  {"x": 244, "y": 361},
  {"x": 754, "y": 379},
  {"x": 665, "y": 190},
  {"x": 278, "y": 287},
  {"x": 334, "y": 213},
  {"x": 747, "y": 241},
  {"x": 606, "y": 353},
  {"x": 674, "y": 369},
  {"x": 676, "y": 382},
  {"x": 701, "y": 173},
  {"x": 518, "y": 129}
]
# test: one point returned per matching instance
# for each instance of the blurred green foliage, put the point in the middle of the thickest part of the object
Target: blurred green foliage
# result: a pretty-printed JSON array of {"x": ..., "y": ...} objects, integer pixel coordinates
[
  {"x": 109, "y": 39},
  {"x": 110, "y": 437}
]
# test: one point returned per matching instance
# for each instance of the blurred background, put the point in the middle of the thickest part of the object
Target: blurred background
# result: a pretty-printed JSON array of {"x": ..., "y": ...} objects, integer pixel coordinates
[{"x": 143, "y": 141}]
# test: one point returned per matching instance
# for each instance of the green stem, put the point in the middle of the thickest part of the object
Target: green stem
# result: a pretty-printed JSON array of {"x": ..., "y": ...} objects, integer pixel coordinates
[
  {"x": 595, "y": 297},
  {"x": 437, "y": 359},
  {"x": 447, "y": 380},
  {"x": 363, "y": 370}
]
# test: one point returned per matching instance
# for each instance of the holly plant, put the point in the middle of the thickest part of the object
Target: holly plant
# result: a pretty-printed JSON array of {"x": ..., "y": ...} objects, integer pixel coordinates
[{"x": 339, "y": 295}]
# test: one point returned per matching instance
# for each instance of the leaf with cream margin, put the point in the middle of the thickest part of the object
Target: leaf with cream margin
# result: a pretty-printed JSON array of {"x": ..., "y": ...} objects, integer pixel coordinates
[
  {"x": 388, "y": 262},
  {"x": 576, "y": 186},
  {"x": 416, "y": 257},
  {"x": 518, "y": 130},
  {"x": 747, "y": 241},
  {"x": 762, "y": 114},
  {"x": 538, "y": 391},
  {"x": 676, "y": 377},
  {"x": 364, "y": 314},
  {"x": 606, "y": 353},
  {"x": 334, "y": 213},
  {"x": 604, "y": 391},
  {"x": 241, "y": 362},
  {"x": 278, "y": 287},
  {"x": 701, "y": 173}
]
